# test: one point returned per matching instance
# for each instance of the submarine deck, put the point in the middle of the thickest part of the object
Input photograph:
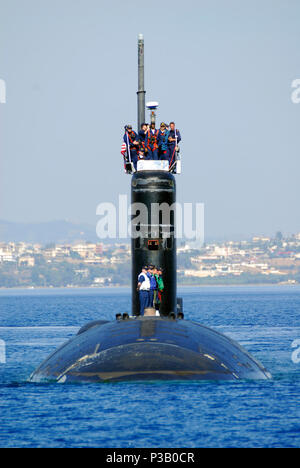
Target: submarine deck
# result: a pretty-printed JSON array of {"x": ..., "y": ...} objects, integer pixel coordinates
[{"x": 149, "y": 348}]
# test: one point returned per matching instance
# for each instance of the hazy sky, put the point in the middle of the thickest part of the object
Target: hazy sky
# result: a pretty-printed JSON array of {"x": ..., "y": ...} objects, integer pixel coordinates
[{"x": 222, "y": 69}]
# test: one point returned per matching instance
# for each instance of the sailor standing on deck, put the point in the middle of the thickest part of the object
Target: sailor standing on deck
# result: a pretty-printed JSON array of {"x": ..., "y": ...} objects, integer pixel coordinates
[
  {"x": 132, "y": 141},
  {"x": 153, "y": 284},
  {"x": 174, "y": 139},
  {"x": 151, "y": 142},
  {"x": 142, "y": 138},
  {"x": 144, "y": 289},
  {"x": 163, "y": 142},
  {"x": 160, "y": 286},
  {"x": 142, "y": 133}
]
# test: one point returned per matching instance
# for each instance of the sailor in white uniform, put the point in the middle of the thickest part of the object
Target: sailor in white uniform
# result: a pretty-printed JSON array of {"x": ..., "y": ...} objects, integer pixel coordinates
[{"x": 144, "y": 289}]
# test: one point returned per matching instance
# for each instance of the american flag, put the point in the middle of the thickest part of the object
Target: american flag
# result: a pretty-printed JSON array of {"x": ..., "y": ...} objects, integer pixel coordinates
[{"x": 123, "y": 149}]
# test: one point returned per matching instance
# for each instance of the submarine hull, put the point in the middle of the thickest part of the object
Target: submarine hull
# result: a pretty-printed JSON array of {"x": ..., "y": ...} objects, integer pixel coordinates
[{"x": 153, "y": 348}]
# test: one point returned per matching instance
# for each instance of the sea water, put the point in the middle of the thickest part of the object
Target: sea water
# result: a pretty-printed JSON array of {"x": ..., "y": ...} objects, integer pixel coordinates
[{"x": 265, "y": 320}]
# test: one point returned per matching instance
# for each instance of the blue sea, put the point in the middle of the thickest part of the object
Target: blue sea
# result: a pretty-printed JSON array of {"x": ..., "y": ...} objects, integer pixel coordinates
[{"x": 265, "y": 320}]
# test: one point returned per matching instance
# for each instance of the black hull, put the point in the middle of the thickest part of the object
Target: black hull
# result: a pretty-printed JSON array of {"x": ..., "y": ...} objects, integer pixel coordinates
[{"x": 151, "y": 348}]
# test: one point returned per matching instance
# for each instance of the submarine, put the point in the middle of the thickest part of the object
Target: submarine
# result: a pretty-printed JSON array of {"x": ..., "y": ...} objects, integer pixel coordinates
[{"x": 164, "y": 346}]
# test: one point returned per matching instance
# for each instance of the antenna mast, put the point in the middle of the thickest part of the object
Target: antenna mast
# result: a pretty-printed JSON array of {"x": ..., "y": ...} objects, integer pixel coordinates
[{"x": 141, "y": 82}]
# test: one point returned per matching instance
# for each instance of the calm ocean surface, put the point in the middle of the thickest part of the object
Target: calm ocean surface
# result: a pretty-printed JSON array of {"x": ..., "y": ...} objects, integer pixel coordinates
[{"x": 265, "y": 320}]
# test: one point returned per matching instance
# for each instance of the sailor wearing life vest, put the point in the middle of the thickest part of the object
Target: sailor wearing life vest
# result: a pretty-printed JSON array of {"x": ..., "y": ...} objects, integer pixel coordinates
[
  {"x": 132, "y": 141},
  {"x": 163, "y": 142},
  {"x": 174, "y": 138},
  {"x": 142, "y": 138},
  {"x": 144, "y": 289},
  {"x": 151, "y": 142}
]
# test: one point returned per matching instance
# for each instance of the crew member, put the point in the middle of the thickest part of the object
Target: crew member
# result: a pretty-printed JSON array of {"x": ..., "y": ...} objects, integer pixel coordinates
[
  {"x": 160, "y": 287},
  {"x": 143, "y": 288},
  {"x": 142, "y": 133},
  {"x": 163, "y": 142},
  {"x": 142, "y": 137},
  {"x": 132, "y": 141},
  {"x": 174, "y": 138},
  {"x": 151, "y": 142},
  {"x": 153, "y": 284}
]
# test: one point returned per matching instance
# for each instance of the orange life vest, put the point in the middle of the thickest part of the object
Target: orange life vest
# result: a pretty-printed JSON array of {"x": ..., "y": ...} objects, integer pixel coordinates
[{"x": 152, "y": 139}]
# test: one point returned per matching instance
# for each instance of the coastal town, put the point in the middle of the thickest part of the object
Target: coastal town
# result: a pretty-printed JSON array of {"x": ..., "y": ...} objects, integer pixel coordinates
[{"x": 261, "y": 260}]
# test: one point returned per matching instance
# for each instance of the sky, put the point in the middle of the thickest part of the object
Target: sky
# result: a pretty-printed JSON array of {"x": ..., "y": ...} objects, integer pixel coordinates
[{"x": 222, "y": 69}]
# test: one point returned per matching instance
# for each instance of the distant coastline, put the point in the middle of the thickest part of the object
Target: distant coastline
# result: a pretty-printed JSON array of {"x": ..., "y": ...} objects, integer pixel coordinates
[
  {"x": 81, "y": 264},
  {"x": 124, "y": 287}
]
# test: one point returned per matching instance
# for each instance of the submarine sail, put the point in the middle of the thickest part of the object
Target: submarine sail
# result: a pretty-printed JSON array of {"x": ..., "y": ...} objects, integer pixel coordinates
[{"x": 154, "y": 241}]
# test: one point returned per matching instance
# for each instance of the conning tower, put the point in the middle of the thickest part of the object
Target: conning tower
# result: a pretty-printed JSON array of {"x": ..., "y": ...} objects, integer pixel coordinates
[
  {"x": 153, "y": 194},
  {"x": 153, "y": 198}
]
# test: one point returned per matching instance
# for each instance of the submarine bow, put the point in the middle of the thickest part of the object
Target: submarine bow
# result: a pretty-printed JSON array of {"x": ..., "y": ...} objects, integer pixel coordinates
[{"x": 149, "y": 348}]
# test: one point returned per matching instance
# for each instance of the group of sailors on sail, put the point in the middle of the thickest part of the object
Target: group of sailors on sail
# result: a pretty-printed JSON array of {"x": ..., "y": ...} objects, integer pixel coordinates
[{"x": 151, "y": 143}]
